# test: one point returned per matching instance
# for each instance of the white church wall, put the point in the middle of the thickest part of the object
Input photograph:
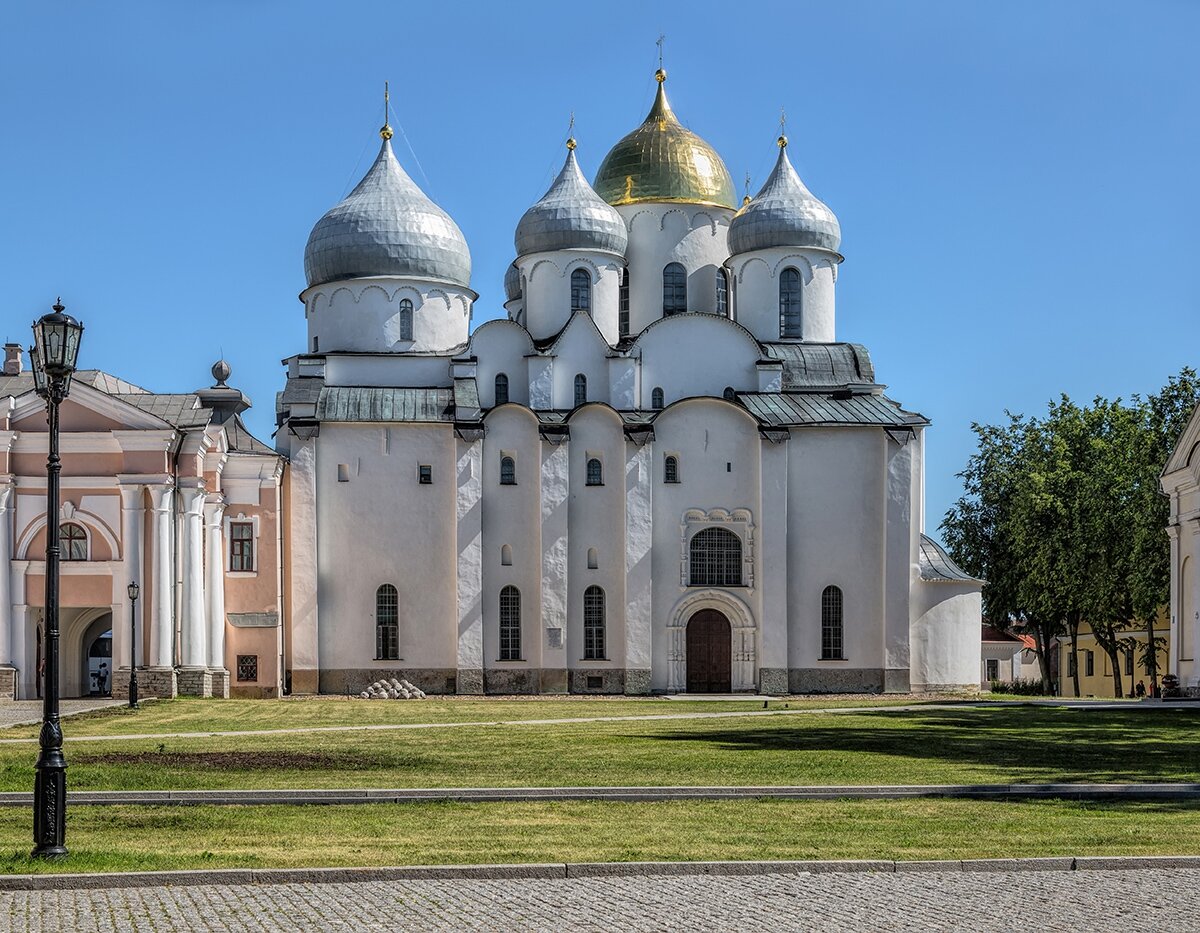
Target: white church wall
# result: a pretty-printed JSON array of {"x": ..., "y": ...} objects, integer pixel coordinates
[
  {"x": 945, "y": 636},
  {"x": 387, "y": 370},
  {"x": 596, "y": 528},
  {"x": 366, "y": 314},
  {"x": 501, "y": 347},
  {"x": 773, "y": 544},
  {"x": 902, "y": 569},
  {"x": 381, "y": 526},
  {"x": 676, "y": 355},
  {"x": 694, "y": 236},
  {"x": 718, "y": 451},
  {"x": 512, "y": 517},
  {"x": 547, "y": 301},
  {"x": 757, "y": 302},
  {"x": 836, "y": 532},
  {"x": 580, "y": 350}
]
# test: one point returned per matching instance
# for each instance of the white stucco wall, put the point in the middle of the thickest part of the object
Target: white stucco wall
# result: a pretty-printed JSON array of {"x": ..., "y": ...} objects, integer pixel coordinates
[
  {"x": 757, "y": 282},
  {"x": 547, "y": 299},
  {"x": 945, "y": 635},
  {"x": 364, "y": 315}
]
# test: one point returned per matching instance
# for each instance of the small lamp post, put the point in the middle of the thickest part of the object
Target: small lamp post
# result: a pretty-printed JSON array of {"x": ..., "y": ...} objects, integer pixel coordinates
[
  {"x": 54, "y": 353},
  {"x": 132, "y": 590}
]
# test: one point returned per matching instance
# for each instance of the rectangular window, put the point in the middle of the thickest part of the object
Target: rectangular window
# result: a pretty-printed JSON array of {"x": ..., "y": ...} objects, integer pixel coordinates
[
  {"x": 623, "y": 305},
  {"x": 425, "y": 474},
  {"x": 1129, "y": 663},
  {"x": 1089, "y": 662},
  {"x": 241, "y": 547},
  {"x": 247, "y": 668},
  {"x": 993, "y": 669}
]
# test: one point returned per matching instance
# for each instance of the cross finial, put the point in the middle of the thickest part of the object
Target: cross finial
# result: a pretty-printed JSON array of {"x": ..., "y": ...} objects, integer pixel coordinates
[
  {"x": 570, "y": 132},
  {"x": 662, "y": 37},
  {"x": 747, "y": 184},
  {"x": 782, "y": 126},
  {"x": 385, "y": 131}
]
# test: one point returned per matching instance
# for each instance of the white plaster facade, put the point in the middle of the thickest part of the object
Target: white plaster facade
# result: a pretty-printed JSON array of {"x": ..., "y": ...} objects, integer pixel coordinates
[
  {"x": 1181, "y": 483},
  {"x": 607, "y": 449}
]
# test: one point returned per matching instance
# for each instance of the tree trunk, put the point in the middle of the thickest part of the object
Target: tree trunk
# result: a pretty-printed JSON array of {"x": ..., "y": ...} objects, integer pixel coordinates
[
  {"x": 1151, "y": 657},
  {"x": 1114, "y": 657}
]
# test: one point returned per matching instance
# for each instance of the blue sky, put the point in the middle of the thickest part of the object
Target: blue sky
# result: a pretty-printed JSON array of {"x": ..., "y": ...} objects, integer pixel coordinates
[{"x": 1016, "y": 182}]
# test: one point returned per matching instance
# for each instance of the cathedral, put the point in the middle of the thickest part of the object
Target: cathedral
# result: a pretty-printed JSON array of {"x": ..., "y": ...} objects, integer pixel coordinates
[{"x": 660, "y": 472}]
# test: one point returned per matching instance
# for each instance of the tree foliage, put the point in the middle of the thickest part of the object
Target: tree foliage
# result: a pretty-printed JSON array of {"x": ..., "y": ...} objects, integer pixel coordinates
[{"x": 1062, "y": 516}]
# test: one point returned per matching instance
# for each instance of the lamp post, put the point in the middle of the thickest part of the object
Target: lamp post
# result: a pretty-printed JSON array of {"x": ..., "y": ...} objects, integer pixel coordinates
[
  {"x": 132, "y": 590},
  {"x": 54, "y": 353}
]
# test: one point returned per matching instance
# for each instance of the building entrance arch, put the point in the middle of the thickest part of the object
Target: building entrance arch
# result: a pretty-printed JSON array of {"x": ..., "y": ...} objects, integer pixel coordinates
[
  {"x": 96, "y": 657},
  {"x": 741, "y": 638},
  {"x": 709, "y": 668}
]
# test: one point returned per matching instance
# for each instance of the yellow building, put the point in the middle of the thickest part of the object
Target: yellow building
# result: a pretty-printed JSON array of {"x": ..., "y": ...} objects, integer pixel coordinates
[{"x": 1095, "y": 666}]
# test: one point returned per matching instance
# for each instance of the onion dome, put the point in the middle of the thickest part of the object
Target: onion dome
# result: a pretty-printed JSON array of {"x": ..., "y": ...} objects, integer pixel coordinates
[
  {"x": 664, "y": 161},
  {"x": 387, "y": 226},
  {"x": 571, "y": 216},
  {"x": 784, "y": 213},
  {"x": 512, "y": 282}
]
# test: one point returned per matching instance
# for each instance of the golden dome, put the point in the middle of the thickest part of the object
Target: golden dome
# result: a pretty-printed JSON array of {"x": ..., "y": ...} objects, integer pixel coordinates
[{"x": 664, "y": 161}]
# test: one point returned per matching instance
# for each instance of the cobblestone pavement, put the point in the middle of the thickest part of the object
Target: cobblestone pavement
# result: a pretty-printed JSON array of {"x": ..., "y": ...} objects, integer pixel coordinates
[
  {"x": 26, "y": 712},
  {"x": 1048, "y": 901}
]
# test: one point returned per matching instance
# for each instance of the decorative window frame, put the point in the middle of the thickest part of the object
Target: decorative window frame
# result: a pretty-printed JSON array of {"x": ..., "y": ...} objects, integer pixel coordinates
[
  {"x": 227, "y": 523},
  {"x": 739, "y": 521}
]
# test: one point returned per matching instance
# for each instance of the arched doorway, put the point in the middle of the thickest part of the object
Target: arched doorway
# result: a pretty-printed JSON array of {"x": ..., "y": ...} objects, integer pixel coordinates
[
  {"x": 97, "y": 658},
  {"x": 708, "y": 655}
]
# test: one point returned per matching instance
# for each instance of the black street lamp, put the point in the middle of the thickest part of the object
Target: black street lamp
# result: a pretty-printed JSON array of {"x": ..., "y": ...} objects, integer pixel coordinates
[
  {"x": 132, "y": 590},
  {"x": 54, "y": 353}
]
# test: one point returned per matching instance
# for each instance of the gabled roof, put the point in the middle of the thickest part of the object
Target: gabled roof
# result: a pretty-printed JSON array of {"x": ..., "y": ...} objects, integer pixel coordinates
[
  {"x": 380, "y": 403},
  {"x": 180, "y": 411},
  {"x": 1188, "y": 439},
  {"x": 777, "y": 409},
  {"x": 991, "y": 633},
  {"x": 822, "y": 364},
  {"x": 936, "y": 565}
]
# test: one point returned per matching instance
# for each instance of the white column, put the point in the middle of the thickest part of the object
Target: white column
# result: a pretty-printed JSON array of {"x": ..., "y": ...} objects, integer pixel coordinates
[
  {"x": 639, "y": 535},
  {"x": 194, "y": 630},
  {"x": 469, "y": 508},
  {"x": 6, "y": 519},
  {"x": 1175, "y": 605},
  {"x": 161, "y": 611},
  {"x": 133, "y": 533},
  {"x": 24, "y": 652},
  {"x": 1193, "y": 533},
  {"x": 214, "y": 580}
]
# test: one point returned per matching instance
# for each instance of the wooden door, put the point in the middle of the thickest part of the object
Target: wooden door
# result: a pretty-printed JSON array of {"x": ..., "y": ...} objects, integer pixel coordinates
[{"x": 708, "y": 658}]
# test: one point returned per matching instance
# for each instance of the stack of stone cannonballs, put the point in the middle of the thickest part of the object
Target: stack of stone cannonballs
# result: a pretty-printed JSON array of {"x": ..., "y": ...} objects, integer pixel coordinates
[{"x": 392, "y": 690}]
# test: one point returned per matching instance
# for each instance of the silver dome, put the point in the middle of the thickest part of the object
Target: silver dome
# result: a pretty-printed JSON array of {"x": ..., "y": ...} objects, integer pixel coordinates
[
  {"x": 784, "y": 213},
  {"x": 571, "y": 216},
  {"x": 512, "y": 282},
  {"x": 387, "y": 226}
]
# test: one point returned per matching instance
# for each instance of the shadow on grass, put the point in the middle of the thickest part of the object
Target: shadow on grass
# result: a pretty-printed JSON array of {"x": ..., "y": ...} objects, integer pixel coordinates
[{"x": 1030, "y": 743}]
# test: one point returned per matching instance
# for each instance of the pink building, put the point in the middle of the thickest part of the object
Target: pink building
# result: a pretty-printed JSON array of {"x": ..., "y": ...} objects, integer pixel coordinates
[{"x": 169, "y": 490}]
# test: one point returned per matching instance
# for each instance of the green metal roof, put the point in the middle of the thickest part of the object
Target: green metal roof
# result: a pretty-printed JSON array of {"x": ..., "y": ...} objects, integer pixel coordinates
[
  {"x": 822, "y": 364},
  {"x": 379, "y": 403},
  {"x": 810, "y": 408}
]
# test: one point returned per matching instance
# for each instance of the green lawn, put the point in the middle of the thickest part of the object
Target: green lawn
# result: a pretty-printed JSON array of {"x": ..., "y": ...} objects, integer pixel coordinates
[
  {"x": 187, "y": 715},
  {"x": 962, "y": 745},
  {"x": 143, "y": 838}
]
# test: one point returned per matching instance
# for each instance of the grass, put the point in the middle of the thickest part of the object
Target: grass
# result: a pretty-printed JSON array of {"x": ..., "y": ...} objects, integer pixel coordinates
[
  {"x": 962, "y": 745},
  {"x": 156, "y": 838},
  {"x": 190, "y": 715}
]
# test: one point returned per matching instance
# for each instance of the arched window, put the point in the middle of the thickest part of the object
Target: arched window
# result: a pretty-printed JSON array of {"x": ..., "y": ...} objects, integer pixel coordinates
[
  {"x": 593, "y": 559},
  {"x": 715, "y": 558},
  {"x": 581, "y": 291},
  {"x": 722, "y": 293},
  {"x": 656, "y": 398},
  {"x": 501, "y": 388},
  {"x": 674, "y": 289},
  {"x": 729, "y": 395},
  {"x": 789, "y": 303},
  {"x": 593, "y": 624},
  {"x": 671, "y": 470},
  {"x": 580, "y": 389},
  {"x": 623, "y": 305},
  {"x": 72, "y": 541},
  {"x": 406, "y": 319},
  {"x": 387, "y": 624},
  {"x": 510, "y": 624},
  {"x": 831, "y": 624},
  {"x": 595, "y": 472},
  {"x": 508, "y": 471},
  {"x": 506, "y": 555}
]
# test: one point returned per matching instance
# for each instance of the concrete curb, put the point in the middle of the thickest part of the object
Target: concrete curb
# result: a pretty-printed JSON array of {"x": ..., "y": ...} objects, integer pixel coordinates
[
  {"x": 266, "y": 797},
  {"x": 568, "y": 870}
]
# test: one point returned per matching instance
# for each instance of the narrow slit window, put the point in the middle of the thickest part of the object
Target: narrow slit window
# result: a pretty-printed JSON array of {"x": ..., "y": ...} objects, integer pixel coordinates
[
  {"x": 722, "y": 293},
  {"x": 671, "y": 470},
  {"x": 387, "y": 623},
  {"x": 580, "y": 389},
  {"x": 656, "y": 398},
  {"x": 674, "y": 289},
  {"x": 595, "y": 472},
  {"x": 508, "y": 471},
  {"x": 501, "y": 388},
  {"x": 406, "y": 319},
  {"x": 510, "y": 624},
  {"x": 789, "y": 303},
  {"x": 593, "y": 624},
  {"x": 831, "y": 624},
  {"x": 623, "y": 304},
  {"x": 581, "y": 291}
]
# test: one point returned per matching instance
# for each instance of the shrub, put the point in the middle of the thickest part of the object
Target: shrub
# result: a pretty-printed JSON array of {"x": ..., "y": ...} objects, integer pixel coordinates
[{"x": 1026, "y": 687}]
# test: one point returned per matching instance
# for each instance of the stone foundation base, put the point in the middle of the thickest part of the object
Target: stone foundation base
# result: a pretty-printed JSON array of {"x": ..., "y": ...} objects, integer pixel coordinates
[
  {"x": 469, "y": 681},
  {"x": 772, "y": 680},
  {"x": 895, "y": 680},
  {"x": 601, "y": 681},
  {"x": 637, "y": 682},
  {"x": 152, "y": 682},
  {"x": 836, "y": 680},
  {"x": 194, "y": 682},
  {"x": 220, "y": 683},
  {"x": 8, "y": 683},
  {"x": 305, "y": 681},
  {"x": 353, "y": 681}
]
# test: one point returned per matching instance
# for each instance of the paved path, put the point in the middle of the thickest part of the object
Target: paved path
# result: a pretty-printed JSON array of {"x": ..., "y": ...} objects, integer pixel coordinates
[
  {"x": 578, "y": 720},
  {"x": 29, "y": 712},
  {"x": 1145, "y": 900}
]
